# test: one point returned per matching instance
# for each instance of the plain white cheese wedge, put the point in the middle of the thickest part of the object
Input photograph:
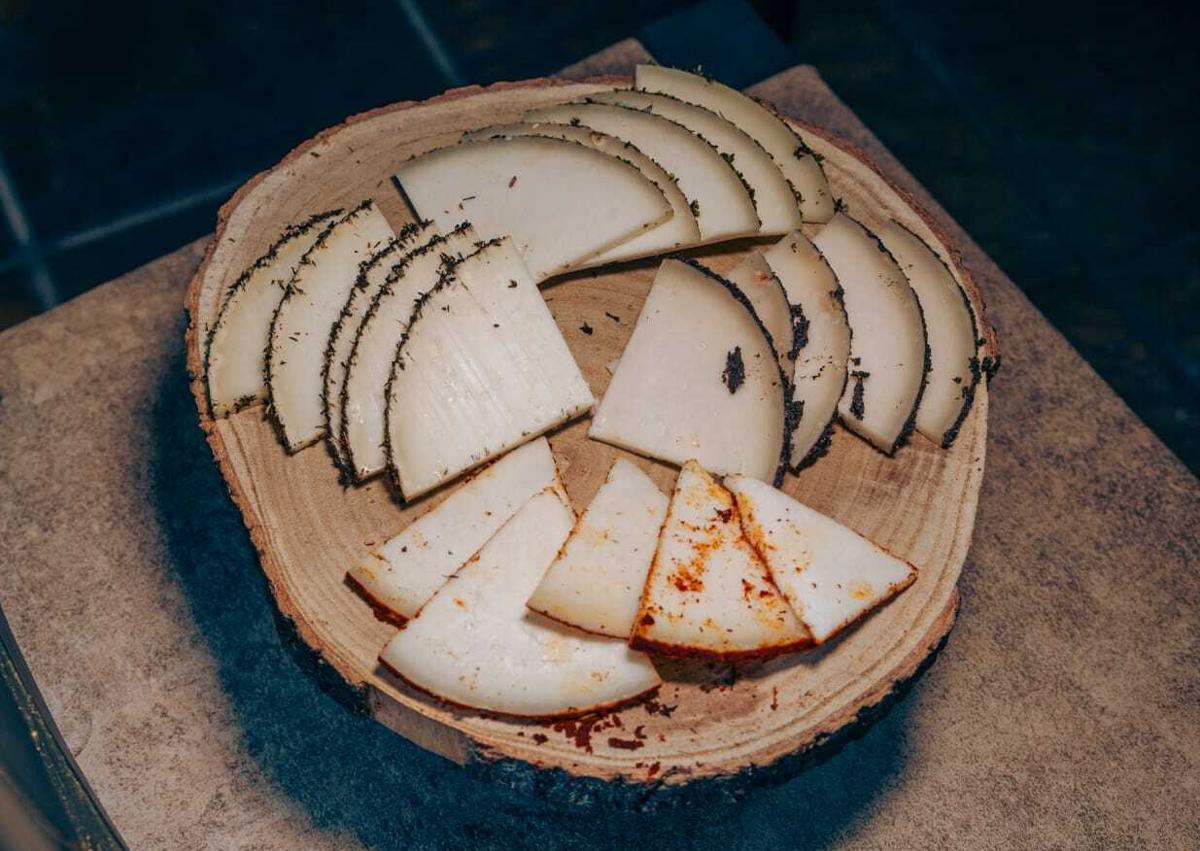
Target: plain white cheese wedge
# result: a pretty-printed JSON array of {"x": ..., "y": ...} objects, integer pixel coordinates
[
  {"x": 830, "y": 575},
  {"x": 717, "y": 197},
  {"x": 363, "y": 402},
  {"x": 405, "y": 572},
  {"x": 819, "y": 377},
  {"x": 766, "y": 294},
  {"x": 950, "y": 328},
  {"x": 235, "y": 366},
  {"x": 777, "y": 137},
  {"x": 561, "y": 202},
  {"x": 596, "y": 580},
  {"x": 778, "y": 210},
  {"x": 679, "y": 231},
  {"x": 372, "y": 275},
  {"x": 474, "y": 644},
  {"x": 698, "y": 379},
  {"x": 888, "y": 355},
  {"x": 708, "y": 593},
  {"x": 482, "y": 369},
  {"x": 301, "y": 327}
]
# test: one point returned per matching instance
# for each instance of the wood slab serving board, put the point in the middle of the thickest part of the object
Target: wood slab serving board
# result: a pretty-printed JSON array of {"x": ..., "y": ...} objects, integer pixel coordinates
[{"x": 707, "y": 721}]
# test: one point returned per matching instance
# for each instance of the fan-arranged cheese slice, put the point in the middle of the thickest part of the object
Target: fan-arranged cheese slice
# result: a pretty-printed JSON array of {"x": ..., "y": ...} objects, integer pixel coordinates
[
  {"x": 798, "y": 163},
  {"x": 708, "y": 593},
  {"x": 596, "y": 580},
  {"x": 679, "y": 231},
  {"x": 372, "y": 275},
  {"x": 823, "y": 341},
  {"x": 406, "y": 571},
  {"x": 830, "y": 575},
  {"x": 482, "y": 369},
  {"x": 300, "y": 329},
  {"x": 950, "y": 328},
  {"x": 778, "y": 210},
  {"x": 235, "y": 367},
  {"x": 562, "y": 202},
  {"x": 719, "y": 200},
  {"x": 363, "y": 404},
  {"x": 474, "y": 644},
  {"x": 762, "y": 287},
  {"x": 699, "y": 379},
  {"x": 888, "y": 356}
]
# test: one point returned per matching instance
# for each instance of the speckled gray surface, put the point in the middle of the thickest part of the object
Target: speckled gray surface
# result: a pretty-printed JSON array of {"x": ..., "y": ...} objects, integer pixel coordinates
[{"x": 1062, "y": 713}]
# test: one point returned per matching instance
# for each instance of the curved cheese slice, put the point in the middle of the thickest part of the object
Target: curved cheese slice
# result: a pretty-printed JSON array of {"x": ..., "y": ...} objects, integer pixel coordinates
[
  {"x": 762, "y": 287},
  {"x": 474, "y": 644},
  {"x": 363, "y": 404},
  {"x": 300, "y": 329},
  {"x": 235, "y": 367},
  {"x": 372, "y": 275},
  {"x": 699, "y": 379},
  {"x": 950, "y": 326},
  {"x": 596, "y": 580},
  {"x": 561, "y": 202},
  {"x": 778, "y": 210},
  {"x": 888, "y": 355},
  {"x": 406, "y": 571},
  {"x": 776, "y": 136},
  {"x": 482, "y": 369},
  {"x": 830, "y": 575},
  {"x": 679, "y": 231},
  {"x": 708, "y": 593},
  {"x": 716, "y": 195},
  {"x": 823, "y": 340}
]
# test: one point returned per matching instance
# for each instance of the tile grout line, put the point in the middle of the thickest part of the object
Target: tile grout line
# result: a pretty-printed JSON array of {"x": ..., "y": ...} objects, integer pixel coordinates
[
  {"x": 28, "y": 253},
  {"x": 431, "y": 42}
]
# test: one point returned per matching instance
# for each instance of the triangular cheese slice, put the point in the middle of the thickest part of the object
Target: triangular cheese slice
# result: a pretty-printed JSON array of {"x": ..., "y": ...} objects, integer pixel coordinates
[
  {"x": 708, "y": 593},
  {"x": 830, "y": 575},
  {"x": 596, "y": 580},
  {"x": 405, "y": 572},
  {"x": 474, "y": 644}
]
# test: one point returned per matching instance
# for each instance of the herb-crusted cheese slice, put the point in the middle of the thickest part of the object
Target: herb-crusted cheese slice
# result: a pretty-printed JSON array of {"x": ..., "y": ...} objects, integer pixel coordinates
[
  {"x": 562, "y": 202},
  {"x": 678, "y": 231},
  {"x": 699, "y": 379},
  {"x": 888, "y": 356},
  {"x": 830, "y": 575},
  {"x": 482, "y": 369},
  {"x": 762, "y": 287},
  {"x": 823, "y": 341},
  {"x": 235, "y": 367},
  {"x": 709, "y": 593},
  {"x": 406, "y": 571},
  {"x": 596, "y": 580},
  {"x": 776, "y": 136},
  {"x": 717, "y": 197},
  {"x": 302, "y": 324},
  {"x": 475, "y": 644},
  {"x": 363, "y": 400}
]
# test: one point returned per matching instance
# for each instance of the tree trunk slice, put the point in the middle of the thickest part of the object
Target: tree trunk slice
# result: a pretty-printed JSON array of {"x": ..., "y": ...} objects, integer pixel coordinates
[{"x": 726, "y": 722}]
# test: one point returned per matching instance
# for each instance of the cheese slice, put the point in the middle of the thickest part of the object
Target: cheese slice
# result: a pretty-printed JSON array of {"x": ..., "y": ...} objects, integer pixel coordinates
[
  {"x": 717, "y": 197},
  {"x": 596, "y": 580},
  {"x": 785, "y": 145},
  {"x": 830, "y": 575},
  {"x": 363, "y": 403},
  {"x": 823, "y": 341},
  {"x": 405, "y": 572},
  {"x": 678, "y": 231},
  {"x": 474, "y": 644},
  {"x": 235, "y": 367},
  {"x": 762, "y": 287},
  {"x": 372, "y": 275},
  {"x": 888, "y": 356},
  {"x": 708, "y": 593},
  {"x": 301, "y": 327},
  {"x": 950, "y": 326},
  {"x": 482, "y": 369},
  {"x": 778, "y": 209},
  {"x": 562, "y": 202},
  {"x": 699, "y": 379}
]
